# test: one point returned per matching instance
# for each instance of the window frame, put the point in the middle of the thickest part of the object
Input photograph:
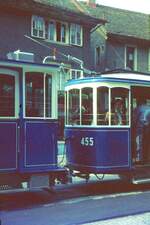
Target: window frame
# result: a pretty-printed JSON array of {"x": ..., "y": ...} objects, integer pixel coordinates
[
  {"x": 56, "y": 22},
  {"x": 71, "y": 29},
  {"x": 96, "y": 85},
  {"x": 36, "y": 19},
  {"x": 97, "y": 56},
  {"x": 53, "y": 96},
  {"x": 48, "y": 34},
  {"x": 97, "y": 98},
  {"x": 75, "y": 34},
  {"x": 149, "y": 59},
  {"x": 110, "y": 106},
  {"x": 84, "y": 110},
  {"x": 15, "y": 74},
  {"x": 134, "y": 57},
  {"x": 69, "y": 119},
  {"x": 76, "y": 71}
]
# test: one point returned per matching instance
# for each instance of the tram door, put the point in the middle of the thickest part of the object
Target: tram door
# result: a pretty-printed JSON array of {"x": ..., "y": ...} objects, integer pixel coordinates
[
  {"x": 9, "y": 114},
  {"x": 141, "y": 124},
  {"x": 40, "y": 130}
]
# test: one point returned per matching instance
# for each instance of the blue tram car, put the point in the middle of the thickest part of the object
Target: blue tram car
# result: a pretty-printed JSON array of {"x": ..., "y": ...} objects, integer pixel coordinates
[
  {"x": 28, "y": 123},
  {"x": 103, "y": 135}
]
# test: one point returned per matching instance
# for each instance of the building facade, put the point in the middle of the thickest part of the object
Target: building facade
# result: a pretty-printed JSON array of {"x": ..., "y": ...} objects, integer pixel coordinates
[
  {"x": 124, "y": 42},
  {"x": 76, "y": 36},
  {"x": 48, "y": 31}
]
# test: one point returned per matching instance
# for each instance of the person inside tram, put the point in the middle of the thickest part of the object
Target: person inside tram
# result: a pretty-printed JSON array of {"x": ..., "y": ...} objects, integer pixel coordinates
[
  {"x": 141, "y": 119},
  {"x": 117, "y": 112},
  {"x": 76, "y": 114}
]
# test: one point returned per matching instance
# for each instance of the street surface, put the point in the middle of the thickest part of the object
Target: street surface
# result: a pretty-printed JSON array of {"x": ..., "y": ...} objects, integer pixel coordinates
[
  {"x": 142, "y": 219},
  {"x": 95, "y": 203}
]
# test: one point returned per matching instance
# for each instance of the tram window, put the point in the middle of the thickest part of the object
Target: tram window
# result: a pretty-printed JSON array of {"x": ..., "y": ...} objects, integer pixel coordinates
[
  {"x": 7, "y": 95},
  {"x": 74, "y": 107},
  {"x": 102, "y": 106},
  {"x": 48, "y": 95},
  {"x": 86, "y": 106},
  {"x": 119, "y": 106},
  {"x": 34, "y": 95}
]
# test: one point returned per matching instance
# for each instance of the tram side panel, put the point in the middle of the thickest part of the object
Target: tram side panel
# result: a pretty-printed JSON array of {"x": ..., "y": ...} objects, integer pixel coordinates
[
  {"x": 98, "y": 150},
  {"x": 28, "y": 143},
  {"x": 8, "y": 146},
  {"x": 39, "y": 141}
]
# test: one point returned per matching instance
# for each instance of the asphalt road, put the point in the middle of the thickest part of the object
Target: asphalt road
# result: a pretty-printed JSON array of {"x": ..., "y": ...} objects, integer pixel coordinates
[{"x": 74, "y": 204}]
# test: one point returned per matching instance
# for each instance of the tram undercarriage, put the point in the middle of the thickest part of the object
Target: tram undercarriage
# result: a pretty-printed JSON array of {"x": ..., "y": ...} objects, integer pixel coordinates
[{"x": 33, "y": 181}]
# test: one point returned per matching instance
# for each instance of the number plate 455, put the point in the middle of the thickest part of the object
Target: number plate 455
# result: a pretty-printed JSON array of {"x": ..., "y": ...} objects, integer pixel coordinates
[{"x": 87, "y": 141}]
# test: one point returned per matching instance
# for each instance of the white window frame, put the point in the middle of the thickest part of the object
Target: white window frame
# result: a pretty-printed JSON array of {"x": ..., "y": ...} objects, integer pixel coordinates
[
  {"x": 135, "y": 56},
  {"x": 40, "y": 26},
  {"x": 76, "y": 73},
  {"x": 149, "y": 59},
  {"x": 55, "y": 32},
  {"x": 54, "y": 22},
  {"x": 75, "y": 34},
  {"x": 17, "y": 102},
  {"x": 54, "y": 110}
]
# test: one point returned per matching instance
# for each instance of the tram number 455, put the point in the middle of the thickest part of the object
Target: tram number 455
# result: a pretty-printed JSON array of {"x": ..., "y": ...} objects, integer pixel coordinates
[{"x": 87, "y": 141}]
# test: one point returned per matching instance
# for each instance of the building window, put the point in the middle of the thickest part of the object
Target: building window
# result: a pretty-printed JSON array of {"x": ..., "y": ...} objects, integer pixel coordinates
[
  {"x": 52, "y": 31},
  {"x": 75, "y": 74},
  {"x": 76, "y": 34},
  {"x": 58, "y": 31},
  {"x": 130, "y": 58},
  {"x": 149, "y": 59},
  {"x": 38, "y": 27},
  {"x": 97, "y": 55}
]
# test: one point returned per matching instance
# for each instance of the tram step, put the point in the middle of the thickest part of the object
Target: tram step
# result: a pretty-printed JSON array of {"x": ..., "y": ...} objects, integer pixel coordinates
[
  {"x": 39, "y": 181},
  {"x": 141, "y": 181}
]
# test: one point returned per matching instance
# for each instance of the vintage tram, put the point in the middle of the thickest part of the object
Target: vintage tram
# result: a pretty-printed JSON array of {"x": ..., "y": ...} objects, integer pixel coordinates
[
  {"x": 102, "y": 133},
  {"x": 28, "y": 123}
]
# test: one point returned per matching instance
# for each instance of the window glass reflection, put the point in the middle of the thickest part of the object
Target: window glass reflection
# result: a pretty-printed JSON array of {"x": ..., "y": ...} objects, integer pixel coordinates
[
  {"x": 34, "y": 95},
  {"x": 119, "y": 106},
  {"x": 48, "y": 93},
  {"x": 87, "y": 106},
  {"x": 7, "y": 95},
  {"x": 102, "y": 106},
  {"x": 74, "y": 107}
]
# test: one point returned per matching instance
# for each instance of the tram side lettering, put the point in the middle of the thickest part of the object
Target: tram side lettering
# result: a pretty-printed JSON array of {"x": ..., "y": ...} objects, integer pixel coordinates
[{"x": 87, "y": 141}]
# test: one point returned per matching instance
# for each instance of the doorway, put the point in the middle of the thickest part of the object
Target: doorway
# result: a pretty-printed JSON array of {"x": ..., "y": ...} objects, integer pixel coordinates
[{"x": 140, "y": 124}]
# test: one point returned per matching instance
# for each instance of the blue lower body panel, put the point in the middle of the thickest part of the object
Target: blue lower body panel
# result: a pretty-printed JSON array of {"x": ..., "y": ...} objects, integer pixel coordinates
[
  {"x": 8, "y": 146},
  {"x": 95, "y": 150},
  {"x": 39, "y": 146},
  {"x": 28, "y": 146}
]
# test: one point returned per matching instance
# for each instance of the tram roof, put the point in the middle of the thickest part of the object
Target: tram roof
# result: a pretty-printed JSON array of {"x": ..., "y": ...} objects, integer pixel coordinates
[
  {"x": 18, "y": 63},
  {"x": 124, "y": 77}
]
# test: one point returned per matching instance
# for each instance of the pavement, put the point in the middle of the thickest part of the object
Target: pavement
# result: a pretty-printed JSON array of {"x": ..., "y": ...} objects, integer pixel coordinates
[{"x": 142, "y": 219}]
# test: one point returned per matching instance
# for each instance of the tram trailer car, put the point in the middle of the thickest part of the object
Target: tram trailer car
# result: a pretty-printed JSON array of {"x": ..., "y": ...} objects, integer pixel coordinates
[
  {"x": 98, "y": 141},
  {"x": 28, "y": 124}
]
